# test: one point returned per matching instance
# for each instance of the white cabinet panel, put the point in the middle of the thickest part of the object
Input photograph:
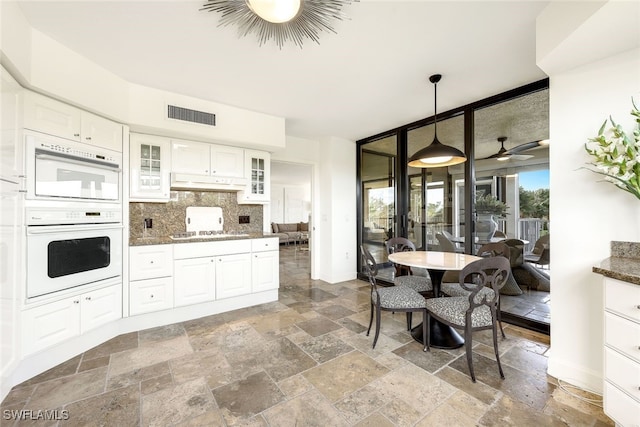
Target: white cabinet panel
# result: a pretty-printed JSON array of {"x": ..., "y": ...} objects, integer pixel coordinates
[
  {"x": 233, "y": 275},
  {"x": 146, "y": 296},
  {"x": 47, "y": 115},
  {"x": 267, "y": 244},
  {"x": 150, "y": 165},
  {"x": 622, "y": 298},
  {"x": 194, "y": 280},
  {"x": 623, "y": 372},
  {"x": 146, "y": 262},
  {"x": 50, "y": 324},
  {"x": 190, "y": 157},
  {"x": 98, "y": 131},
  {"x": 227, "y": 161},
  {"x": 100, "y": 307},
  {"x": 54, "y": 322},
  {"x": 265, "y": 271},
  {"x": 620, "y": 407},
  {"x": 623, "y": 335}
]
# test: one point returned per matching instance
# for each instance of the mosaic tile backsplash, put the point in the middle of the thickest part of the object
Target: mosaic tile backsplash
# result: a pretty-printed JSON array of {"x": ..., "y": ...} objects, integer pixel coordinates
[{"x": 169, "y": 218}]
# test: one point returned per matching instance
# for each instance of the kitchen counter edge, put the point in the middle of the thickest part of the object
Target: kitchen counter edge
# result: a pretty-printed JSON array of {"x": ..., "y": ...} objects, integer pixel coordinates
[
  {"x": 144, "y": 241},
  {"x": 620, "y": 268}
]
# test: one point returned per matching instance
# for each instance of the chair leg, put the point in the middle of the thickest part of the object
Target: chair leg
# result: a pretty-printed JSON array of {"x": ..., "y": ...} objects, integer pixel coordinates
[
  {"x": 500, "y": 319},
  {"x": 468, "y": 343},
  {"x": 370, "y": 320},
  {"x": 409, "y": 317},
  {"x": 378, "y": 316},
  {"x": 424, "y": 330},
  {"x": 495, "y": 349}
]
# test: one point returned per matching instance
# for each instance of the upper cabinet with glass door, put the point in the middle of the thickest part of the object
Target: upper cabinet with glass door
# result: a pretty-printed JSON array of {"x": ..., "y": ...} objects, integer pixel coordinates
[
  {"x": 257, "y": 166},
  {"x": 149, "y": 170}
]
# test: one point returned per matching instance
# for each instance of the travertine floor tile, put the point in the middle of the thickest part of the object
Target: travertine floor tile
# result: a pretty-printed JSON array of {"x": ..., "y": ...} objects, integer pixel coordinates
[
  {"x": 177, "y": 404},
  {"x": 310, "y": 409},
  {"x": 115, "y": 408},
  {"x": 54, "y": 393},
  {"x": 150, "y": 354}
]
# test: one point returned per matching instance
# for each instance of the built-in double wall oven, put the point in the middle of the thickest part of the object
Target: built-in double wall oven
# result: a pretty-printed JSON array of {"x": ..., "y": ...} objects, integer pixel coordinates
[{"x": 73, "y": 214}]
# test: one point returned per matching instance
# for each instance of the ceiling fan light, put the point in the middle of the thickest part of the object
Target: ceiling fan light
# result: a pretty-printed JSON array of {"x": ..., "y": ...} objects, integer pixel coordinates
[
  {"x": 543, "y": 142},
  {"x": 503, "y": 158},
  {"x": 276, "y": 11}
]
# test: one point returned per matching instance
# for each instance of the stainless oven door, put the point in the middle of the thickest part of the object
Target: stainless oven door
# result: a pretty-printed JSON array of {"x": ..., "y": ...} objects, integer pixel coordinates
[
  {"x": 59, "y": 169},
  {"x": 66, "y": 256}
]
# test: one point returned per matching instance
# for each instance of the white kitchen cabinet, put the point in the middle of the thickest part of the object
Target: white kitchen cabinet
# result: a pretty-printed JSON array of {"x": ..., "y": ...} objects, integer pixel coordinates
[
  {"x": 100, "y": 307},
  {"x": 199, "y": 158},
  {"x": 257, "y": 166},
  {"x": 194, "y": 280},
  {"x": 50, "y": 324},
  {"x": 47, "y": 115},
  {"x": 233, "y": 275},
  {"x": 622, "y": 352},
  {"x": 149, "y": 169},
  {"x": 151, "y": 278},
  {"x": 265, "y": 264},
  {"x": 149, "y": 295}
]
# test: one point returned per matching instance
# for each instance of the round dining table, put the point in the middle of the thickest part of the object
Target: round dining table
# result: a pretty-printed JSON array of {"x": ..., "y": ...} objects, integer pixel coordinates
[{"x": 436, "y": 263}]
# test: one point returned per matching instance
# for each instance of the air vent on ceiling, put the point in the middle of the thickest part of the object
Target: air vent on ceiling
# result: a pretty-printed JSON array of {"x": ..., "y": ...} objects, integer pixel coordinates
[{"x": 192, "y": 116}]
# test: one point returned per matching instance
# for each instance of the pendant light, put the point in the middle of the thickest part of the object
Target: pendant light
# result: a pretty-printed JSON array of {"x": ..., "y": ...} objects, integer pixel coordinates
[{"x": 436, "y": 154}]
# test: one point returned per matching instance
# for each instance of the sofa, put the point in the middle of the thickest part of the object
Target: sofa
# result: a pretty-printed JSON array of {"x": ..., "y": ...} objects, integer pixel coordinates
[{"x": 290, "y": 232}]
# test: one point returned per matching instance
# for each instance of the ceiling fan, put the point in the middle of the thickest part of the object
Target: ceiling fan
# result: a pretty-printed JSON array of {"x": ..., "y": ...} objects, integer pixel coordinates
[{"x": 514, "y": 153}]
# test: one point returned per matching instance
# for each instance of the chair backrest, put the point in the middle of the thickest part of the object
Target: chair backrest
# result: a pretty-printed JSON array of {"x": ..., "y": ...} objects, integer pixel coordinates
[
  {"x": 399, "y": 244},
  {"x": 517, "y": 251},
  {"x": 494, "y": 249},
  {"x": 369, "y": 264},
  {"x": 499, "y": 233},
  {"x": 541, "y": 243},
  {"x": 492, "y": 272},
  {"x": 446, "y": 245}
]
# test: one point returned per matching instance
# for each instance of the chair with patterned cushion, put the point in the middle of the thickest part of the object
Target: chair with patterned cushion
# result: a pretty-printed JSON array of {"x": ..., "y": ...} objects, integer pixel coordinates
[
  {"x": 393, "y": 298},
  {"x": 476, "y": 311},
  {"x": 453, "y": 289},
  {"x": 416, "y": 282}
]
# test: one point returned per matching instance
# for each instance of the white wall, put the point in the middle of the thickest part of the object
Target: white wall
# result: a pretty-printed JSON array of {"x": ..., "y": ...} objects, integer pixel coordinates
[
  {"x": 586, "y": 213},
  {"x": 338, "y": 210}
]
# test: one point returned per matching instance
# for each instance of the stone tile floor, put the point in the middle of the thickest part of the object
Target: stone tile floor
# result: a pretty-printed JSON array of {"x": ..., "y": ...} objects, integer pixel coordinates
[{"x": 302, "y": 361}]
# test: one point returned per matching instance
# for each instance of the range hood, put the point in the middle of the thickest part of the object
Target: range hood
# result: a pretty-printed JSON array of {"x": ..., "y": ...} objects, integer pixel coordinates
[{"x": 183, "y": 181}]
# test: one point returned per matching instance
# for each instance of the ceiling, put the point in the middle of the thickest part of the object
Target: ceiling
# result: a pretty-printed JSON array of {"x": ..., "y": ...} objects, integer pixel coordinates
[{"x": 369, "y": 77}]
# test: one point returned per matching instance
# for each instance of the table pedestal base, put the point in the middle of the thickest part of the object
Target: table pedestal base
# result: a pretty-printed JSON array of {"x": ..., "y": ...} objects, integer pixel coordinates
[{"x": 441, "y": 335}]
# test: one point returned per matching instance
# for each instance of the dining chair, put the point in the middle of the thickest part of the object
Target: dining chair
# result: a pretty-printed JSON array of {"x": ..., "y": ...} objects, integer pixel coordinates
[
  {"x": 453, "y": 289},
  {"x": 446, "y": 245},
  {"x": 477, "y": 311},
  {"x": 540, "y": 254},
  {"x": 419, "y": 283},
  {"x": 393, "y": 298}
]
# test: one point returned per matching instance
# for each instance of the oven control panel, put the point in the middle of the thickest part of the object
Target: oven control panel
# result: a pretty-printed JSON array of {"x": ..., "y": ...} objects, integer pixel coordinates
[
  {"x": 69, "y": 150},
  {"x": 53, "y": 216}
]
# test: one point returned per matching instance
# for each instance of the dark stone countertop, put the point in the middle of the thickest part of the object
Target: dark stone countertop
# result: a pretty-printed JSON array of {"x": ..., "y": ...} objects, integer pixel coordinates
[
  {"x": 166, "y": 240},
  {"x": 624, "y": 263}
]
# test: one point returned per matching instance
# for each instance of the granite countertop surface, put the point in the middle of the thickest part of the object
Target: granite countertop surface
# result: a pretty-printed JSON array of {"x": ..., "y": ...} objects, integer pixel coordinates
[
  {"x": 166, "y": 240},
  {"x": 623, "y": 264}
]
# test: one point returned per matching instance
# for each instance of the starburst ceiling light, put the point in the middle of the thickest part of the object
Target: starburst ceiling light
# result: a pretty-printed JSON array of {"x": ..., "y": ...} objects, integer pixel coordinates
[{"x": 280, "y": 20}]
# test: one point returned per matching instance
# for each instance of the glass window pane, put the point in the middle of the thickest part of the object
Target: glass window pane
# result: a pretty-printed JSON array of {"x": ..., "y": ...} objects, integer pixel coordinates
[{"x": 378, "y": 191}]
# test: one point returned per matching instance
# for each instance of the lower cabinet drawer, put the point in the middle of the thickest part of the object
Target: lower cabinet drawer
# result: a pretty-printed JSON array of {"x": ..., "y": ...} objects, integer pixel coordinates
[
  {"x": 622, "y": 371},
  {"x": 150, "y": 295},
  {"x": 622, "y": 334},
  {"x": 620, "y": 407}
]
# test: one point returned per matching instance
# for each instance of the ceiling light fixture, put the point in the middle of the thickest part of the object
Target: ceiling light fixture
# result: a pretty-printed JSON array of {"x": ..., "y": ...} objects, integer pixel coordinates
[
  {"x": 280, "y": 20},
  {"x": 436, "y": 154}
]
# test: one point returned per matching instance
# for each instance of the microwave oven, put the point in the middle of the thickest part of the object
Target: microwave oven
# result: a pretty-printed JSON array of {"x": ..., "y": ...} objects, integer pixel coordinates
[{"x": 59, "y": 169}]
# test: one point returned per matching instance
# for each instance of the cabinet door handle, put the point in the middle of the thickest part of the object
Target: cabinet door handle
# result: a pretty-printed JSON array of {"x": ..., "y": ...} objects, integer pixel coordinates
[
  {"x": 88, "y": 298},
  {"x": 88, "y": 138},
  {"x": 638, "y": 306},
  {"x": 151, "y": 296},
  {"x": 76, "y": 134},
  {"x": 75, "y": 301},
  {"x": 151, "y": 262}
]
